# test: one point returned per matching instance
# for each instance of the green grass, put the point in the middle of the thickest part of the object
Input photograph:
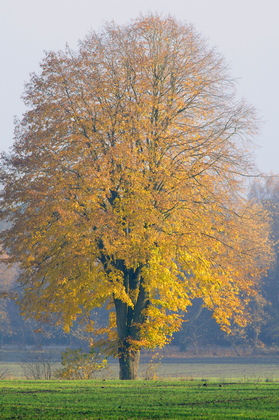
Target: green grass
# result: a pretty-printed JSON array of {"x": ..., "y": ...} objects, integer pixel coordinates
[{"x": 93, "y": 400}]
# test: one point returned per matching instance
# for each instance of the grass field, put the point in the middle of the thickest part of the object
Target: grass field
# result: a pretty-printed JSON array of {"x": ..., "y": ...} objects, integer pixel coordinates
[
  {"x": 186, "y": 388},
  {"x": 93, "y": 400}
]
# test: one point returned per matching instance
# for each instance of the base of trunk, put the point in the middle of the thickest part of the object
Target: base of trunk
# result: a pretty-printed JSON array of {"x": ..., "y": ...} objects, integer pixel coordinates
[{"x": 128, "y": 363}]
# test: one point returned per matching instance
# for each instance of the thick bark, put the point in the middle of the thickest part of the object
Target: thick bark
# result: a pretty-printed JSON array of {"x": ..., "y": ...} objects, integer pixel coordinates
[
  {"x": 128, "y": 317},
  {"x": 128, "y": 320},
  {"x": 128, "y": 356},
  {"x": 128, "y": 362}
]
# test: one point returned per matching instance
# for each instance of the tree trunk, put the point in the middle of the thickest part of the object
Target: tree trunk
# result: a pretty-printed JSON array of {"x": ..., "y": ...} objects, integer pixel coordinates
[
  {"x": 128, "y": 362},
  {"x": 128, "y": 319},
  {"x": 128, "y": 357}
]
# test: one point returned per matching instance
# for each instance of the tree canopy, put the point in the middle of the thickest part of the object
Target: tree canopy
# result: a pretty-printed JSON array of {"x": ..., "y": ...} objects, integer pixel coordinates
[{"x": 125, "y": 186}]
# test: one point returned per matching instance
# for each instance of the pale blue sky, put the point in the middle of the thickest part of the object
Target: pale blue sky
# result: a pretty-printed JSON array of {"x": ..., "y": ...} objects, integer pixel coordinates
[{"x": 245, "y": 31}]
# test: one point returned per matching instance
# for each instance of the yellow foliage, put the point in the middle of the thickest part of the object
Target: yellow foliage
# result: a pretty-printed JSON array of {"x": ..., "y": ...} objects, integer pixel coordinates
[{"x": 125, "y": 185}]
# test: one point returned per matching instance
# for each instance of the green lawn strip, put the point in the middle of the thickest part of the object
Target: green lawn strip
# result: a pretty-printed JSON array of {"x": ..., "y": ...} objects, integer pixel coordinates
[{"x": 88, "y": 400}]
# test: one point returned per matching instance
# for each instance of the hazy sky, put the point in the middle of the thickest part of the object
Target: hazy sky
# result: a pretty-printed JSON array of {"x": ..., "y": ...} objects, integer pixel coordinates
[{"x": 245, "y": 31}]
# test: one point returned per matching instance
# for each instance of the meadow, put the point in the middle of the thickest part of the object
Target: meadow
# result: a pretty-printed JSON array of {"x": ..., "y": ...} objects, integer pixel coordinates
[
  {"x": 168, "y": 388},
  {"x": 119, "y": 400}
]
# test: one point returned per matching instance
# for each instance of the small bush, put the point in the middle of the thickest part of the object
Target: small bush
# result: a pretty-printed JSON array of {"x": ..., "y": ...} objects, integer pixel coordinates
[
  {"x": 151, "y": 372},
  {"x": 79, "y": 365},
  {"x": 38, "y": 365}
]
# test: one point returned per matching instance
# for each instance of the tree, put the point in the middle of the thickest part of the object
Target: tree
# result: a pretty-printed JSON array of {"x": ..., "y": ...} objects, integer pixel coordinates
[{"x": 124, "y": 186}]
